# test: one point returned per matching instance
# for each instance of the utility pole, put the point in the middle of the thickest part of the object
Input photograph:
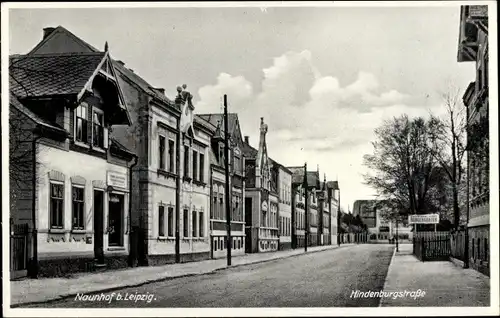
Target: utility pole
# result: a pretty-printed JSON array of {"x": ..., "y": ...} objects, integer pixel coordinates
[
  {"x": 397, "y": 234},
  {"x": 306, "y": 199},
  {"x": 227, "y": 194}
]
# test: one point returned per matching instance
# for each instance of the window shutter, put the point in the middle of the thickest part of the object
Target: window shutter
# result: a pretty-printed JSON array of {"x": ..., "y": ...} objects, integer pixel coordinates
[{"x": 106, "y": 138}]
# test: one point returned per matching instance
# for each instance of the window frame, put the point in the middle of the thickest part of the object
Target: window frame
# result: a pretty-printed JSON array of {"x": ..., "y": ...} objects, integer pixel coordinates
[
  {"x": 201, "y": 167},
  {"x": 171, "y": 155},
  {"x": 185, "y": 223},
  {"x": 82, "y": 187},
  {"x": 162, "y": 164},
  {"x": 170, "y": 223},
  {"x": 201, "y": 224},
  {"x": 62, "y": 184},
  {"x": 99, "y": 112},
  {"x": 194, "y": 164},
  {"x": 85, "y": 136},
  {"x": 194, "y": 221},
  {"x": 186, "y": 161},
  {"x": 161, "y": 220}
]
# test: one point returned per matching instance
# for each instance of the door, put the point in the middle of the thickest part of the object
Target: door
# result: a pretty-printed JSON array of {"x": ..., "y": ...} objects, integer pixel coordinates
[
  {"x": 115, "y": 222},
  {"x": 99, "y": 226}
]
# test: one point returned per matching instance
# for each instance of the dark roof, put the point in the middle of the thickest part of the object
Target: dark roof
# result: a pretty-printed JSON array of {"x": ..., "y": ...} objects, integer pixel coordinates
[
  {"x": 120, "y": 67},
  {"x": 14, "y": 102},
  {"x": 145, "y": 86},
  {"x": 280, "y": 166},
  {"x": 332, "y": 185},
  {"x": 216, "y": 119},
  {"x": 298, "y": 177},
  {"x": 120, "y": 147},
  {"x": 249, "y": 151},
  {"x": 52, "y": 74}
]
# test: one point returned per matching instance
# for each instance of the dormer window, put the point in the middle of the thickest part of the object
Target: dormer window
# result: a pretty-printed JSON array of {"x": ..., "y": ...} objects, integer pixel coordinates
[
  {"x": 98, "y": 131},
  {"x": 81, "y": 123}
]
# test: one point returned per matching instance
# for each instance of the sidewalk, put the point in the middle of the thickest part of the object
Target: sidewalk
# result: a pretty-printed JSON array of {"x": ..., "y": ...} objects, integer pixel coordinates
[
  {"x": 444, "y": 283},
  {"x": 30, "y": 291}
]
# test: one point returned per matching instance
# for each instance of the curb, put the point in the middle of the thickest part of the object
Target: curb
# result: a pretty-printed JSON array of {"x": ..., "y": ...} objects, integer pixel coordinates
[
  {"x": 387, "y": 275},
  {"x": 457, "y": 262},
  {"x": 157, "y": 280}
]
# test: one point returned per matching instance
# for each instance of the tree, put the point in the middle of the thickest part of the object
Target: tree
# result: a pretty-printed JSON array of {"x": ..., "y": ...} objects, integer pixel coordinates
[
  {"x": 448, "y": 135},
  {"x": 405, "y": 171}
]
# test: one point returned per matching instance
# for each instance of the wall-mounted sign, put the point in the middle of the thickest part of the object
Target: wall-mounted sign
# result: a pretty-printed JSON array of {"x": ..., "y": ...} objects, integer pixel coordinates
[
  {"x": 264, "y": 206},
  {"x": 423, "y": 219},
  {"x": 117, "y": 179}
]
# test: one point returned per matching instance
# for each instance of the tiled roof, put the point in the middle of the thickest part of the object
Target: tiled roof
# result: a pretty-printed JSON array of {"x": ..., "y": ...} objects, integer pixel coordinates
[
  {"x": 51, "y": 74},
  {"x": 214, "y": 119},
  {"x": 14, "y": 102},
  {"x": 333, "y": 185},
  {"x": 298, "y": 177},
  {"x": 249, "y": 151},
  {"x": 145, "y": 86}
]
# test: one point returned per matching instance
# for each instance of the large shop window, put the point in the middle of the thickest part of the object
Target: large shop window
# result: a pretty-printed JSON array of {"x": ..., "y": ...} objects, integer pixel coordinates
[
  {"x": 78, "y": 208},
  {"x": 115, "y": 220},
  {"x": 98, "y": 128},
  {"x": 56, "y": 205},
  {"x": 81, "y": 124}
]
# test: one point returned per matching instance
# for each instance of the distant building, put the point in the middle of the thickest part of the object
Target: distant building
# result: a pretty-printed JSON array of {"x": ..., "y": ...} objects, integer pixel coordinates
[
  {"x": 284, "y": 206},
  {"x": 372, "y": 214},
  {"x": 333, "y": 199},
  {"x": 473, "y": 47}
]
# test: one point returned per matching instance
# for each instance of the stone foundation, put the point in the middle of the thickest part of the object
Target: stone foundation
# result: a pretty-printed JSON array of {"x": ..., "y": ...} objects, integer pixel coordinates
[
  {"x": 158, "y": 260},
  {"x": 66, "y": 266},
  {"x": 285, "y": 246},
  {"x": 479, "y": 249}
]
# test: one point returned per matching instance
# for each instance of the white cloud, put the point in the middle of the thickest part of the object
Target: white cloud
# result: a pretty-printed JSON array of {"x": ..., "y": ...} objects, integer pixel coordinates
[{"x": 312, "y": 117}]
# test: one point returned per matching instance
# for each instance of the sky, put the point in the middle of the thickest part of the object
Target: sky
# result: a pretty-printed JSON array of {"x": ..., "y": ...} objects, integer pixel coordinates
[{"x": 323, "y": 78}]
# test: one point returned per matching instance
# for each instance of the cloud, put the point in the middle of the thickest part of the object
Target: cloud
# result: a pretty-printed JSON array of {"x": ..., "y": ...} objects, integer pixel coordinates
[{"x": 312, "y": 117}]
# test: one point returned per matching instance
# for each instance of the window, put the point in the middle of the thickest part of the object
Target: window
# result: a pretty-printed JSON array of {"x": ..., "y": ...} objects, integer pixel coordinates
[
  {"x": 78, "y": 208},
  {"x": 170, "y": 221},
  {"x": 161, "y": 220},
  {"x": 194, "y": 219},
  {"x": 161, "y": 152},
  {"x": 202, "y": 167},
  {"x": 171, "y": 153},
  {"x": 221, "y": 209},
  {"x": 186, "y": 161},
  {"x": 56, "y": 205},
  {"x": 201, "y": 223},
  {"x": 214, "y": 207},
  {"x": 237, "y": 209},
  {"x": 186, "y": 223},
  {"x": 81, "y": 124},
  {"x": 486, "y": 249},
  {"x": 215, "y": 244},
  {"x": 98, "y": 128},
  {"x": 195, "y": 165}
]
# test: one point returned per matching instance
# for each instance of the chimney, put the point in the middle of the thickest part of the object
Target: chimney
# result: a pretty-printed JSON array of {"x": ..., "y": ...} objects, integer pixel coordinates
[
  {"x": 47, "y": 32},
  {"x": 247, "y": 140}
]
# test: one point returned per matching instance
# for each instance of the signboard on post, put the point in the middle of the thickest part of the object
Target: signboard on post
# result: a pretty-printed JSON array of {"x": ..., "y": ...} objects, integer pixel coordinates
[{"x": 423, "y": 219}]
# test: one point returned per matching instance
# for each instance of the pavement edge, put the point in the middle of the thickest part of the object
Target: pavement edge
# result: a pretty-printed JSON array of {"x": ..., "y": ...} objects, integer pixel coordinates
[
  {"x": 162, "y": 279},
  {"x": 380, "y": 304}
]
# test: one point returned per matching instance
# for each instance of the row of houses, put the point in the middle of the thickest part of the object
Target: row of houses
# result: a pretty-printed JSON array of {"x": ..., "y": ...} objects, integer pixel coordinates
[{"x": 106, "y": 172}]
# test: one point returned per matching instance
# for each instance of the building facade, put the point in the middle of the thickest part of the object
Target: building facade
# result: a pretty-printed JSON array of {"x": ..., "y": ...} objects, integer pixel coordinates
[
  {"x": 473, "y": 47},
  {"x": 333, "y": 198},
  {"x": 80, "y": 195},
  {"x": 218, "y": 217},
  {"x": 284, "y": 207},
  {"x": 261, "y": 197}
]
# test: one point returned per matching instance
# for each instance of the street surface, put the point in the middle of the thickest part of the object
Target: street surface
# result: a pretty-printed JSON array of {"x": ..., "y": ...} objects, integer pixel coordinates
[{"x": 322, "y": 279}]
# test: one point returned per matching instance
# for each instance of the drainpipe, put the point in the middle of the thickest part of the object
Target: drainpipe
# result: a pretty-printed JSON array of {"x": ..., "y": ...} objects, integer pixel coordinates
[
  {"x": 178, "y": 193},
  {"x": 34, "y": 267},
  {"x": 131, "y": 260}
]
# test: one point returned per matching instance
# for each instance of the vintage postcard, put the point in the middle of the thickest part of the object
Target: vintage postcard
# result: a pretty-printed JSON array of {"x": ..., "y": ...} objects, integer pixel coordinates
[{"x": 250, "y": 159}]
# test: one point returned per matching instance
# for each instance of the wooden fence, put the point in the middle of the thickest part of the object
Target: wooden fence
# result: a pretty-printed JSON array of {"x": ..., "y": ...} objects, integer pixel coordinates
[
  {"x": 432, "y": 246},
  {"x": 457, "y": 245}
]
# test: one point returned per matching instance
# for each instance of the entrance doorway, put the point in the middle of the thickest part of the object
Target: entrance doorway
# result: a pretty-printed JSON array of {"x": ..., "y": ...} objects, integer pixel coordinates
[
  {"x": 99, "y": 226},
  {"x": 115, "y": 222}
]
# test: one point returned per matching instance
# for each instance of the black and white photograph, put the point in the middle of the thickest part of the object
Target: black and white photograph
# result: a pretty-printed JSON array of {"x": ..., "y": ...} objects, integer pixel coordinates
[{"x": 250, "y": 158}]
